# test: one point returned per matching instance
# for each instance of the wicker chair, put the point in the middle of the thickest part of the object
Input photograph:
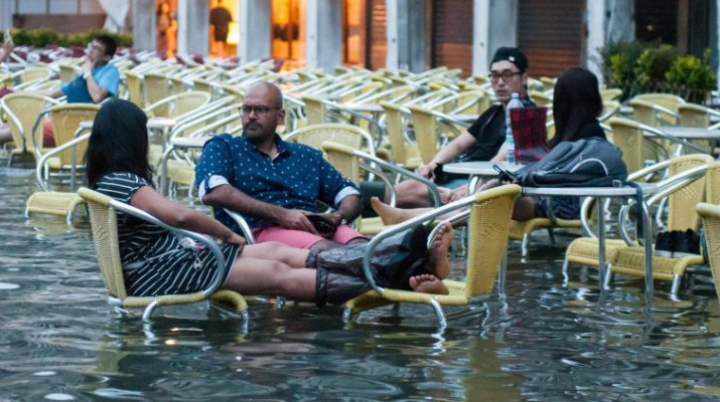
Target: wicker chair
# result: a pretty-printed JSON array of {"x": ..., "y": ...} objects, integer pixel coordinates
[
  {"x": 404, "y": 152},
  {"x": 134, "y": 83},
  {"x": 681, "y": 190},
  {"x": 349, "y": 162},
  {"x": 489, "y": 217},
  {"x": 103, "y": 219},
  {"x": 22, "y": 109},
  {"x": 710, "y": 215}
]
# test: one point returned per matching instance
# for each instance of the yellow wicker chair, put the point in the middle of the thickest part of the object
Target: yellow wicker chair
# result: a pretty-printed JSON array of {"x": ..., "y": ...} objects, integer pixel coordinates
[
  {"x": 541, "y": 98},
  {"x": 314, "y": 136},
  {"x": 349, "y": 161},
  {"x": 628, "y": 136},
  {"x": 68, "y": 72},
  {"x": 177, "y": 105},
  {"x": 103, "y": 218},
  {"x": 66, "y": 119},
  {"x": 35, "y": 73},
  {"x": 315, "y": 112},
  {"x": 489, "y": 218},
  {"x": 668, "y": 101},
  {"x": 22, "y": 110},
  {"x": 611, "y": 94},
  {"x": 652, "y": 114},
  {"x": 54, "y": 202},
  {"x": 134, "y": 83},
  {"x": 157, "y": 88},
  {"x": 682, "y": 187},
  {"x": 433, "y": 129},
  {"x": 404, "y": 152},
  {"x": 694, "y": 115},
  {"x": 710, "y": 215}
]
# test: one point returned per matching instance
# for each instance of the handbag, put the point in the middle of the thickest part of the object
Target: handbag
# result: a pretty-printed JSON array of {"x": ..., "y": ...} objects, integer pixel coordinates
[{"x": 591, "y": 162}]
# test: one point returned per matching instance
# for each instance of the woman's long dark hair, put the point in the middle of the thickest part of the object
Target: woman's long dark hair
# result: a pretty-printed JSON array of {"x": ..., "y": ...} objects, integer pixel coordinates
[
  {"x": 118, "y": 142},
  {"x": 576, "y": 102}
]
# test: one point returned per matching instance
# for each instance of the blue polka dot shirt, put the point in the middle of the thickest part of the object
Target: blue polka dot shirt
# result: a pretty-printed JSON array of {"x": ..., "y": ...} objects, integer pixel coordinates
[{"x": 294, "y": 179}]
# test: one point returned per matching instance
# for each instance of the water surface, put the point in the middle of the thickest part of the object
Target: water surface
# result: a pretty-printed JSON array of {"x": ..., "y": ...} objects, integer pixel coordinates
[{"x": 60, "y": 341}]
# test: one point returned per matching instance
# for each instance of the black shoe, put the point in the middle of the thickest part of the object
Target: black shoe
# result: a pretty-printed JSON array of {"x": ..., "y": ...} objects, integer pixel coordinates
[
  {"x": 664, "y": 244},
  {"x": 687, "y": 244}
]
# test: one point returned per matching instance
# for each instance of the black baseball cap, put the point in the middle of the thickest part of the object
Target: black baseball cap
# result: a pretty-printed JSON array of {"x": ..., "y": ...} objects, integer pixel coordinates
[{"x": 513, "y": 55}]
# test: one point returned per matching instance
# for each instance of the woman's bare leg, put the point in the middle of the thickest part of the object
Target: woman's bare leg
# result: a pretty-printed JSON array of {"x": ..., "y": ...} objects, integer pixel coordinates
[
  {"x": 276, "y": 251},
  {"x": 253, "y": 276}
]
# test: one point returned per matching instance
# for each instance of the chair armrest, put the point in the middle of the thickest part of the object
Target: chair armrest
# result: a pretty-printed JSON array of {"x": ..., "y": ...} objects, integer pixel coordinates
[
  {"x": 54, "y": 151},
  {"x": 208, "y": 242},
  {"x": 244, "y": 227},
  {"x": 659, "y": 133}
]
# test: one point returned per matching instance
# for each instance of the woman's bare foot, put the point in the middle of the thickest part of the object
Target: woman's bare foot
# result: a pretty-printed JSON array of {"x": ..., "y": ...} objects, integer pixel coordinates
[
  {"x": 428, "y": 283},
  {"x": 438, "y": 262},
  {"x": 391, "y": 215}
]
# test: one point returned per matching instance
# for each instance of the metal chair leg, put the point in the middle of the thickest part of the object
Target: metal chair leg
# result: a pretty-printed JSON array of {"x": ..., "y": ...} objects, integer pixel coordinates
[
  {"x": 524, "y": 246},
  {"x": 442, "y": 322}
]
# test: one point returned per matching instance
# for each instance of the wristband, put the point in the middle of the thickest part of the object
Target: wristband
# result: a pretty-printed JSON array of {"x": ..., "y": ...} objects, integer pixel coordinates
[{"x": 87, "y": 75}]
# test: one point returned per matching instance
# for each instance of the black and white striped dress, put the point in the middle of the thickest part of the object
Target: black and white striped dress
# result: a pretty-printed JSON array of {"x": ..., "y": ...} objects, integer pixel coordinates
[{"x": 156, "y": 262}]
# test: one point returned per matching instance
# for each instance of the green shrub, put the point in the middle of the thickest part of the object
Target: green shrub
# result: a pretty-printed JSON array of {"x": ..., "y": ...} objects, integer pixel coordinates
[
  {"x": 652, "y": 65},
  {"x": 639, "y": 68},
  {"x": 44, "y": 37},
  {"x": 692, "y": 76}
]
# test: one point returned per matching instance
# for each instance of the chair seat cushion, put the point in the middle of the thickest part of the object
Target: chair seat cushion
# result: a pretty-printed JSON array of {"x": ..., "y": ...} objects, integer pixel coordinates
[{"x": 631, "y": 261}]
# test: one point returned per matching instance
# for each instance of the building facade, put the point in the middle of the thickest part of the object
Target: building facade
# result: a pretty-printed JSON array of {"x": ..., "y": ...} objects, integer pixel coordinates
[{"x": 402, "y": 34}]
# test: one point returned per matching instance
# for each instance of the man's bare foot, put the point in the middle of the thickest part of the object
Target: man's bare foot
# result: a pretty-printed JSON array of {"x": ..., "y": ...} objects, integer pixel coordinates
[
  {"x": 391, "y": 215},
  {"x": 438, "y": 262},
  {"x": 428, "y": 283}
]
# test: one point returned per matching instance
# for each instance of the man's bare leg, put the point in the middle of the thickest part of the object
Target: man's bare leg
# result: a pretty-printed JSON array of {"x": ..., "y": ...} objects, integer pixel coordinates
[
  {"x": 253, "y": 276},
  {"x": 391, "y": 215},
  {"x": 438, "y": 266},
  {"x": 438, "y": 262},
  {"x": 413, "y": 194},
  {"x": 427, "y": 283}
]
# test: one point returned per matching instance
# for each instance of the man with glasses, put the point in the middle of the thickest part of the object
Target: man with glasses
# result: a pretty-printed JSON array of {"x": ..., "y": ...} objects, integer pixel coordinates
[
  {"x": 98, "y": 81},
  {"x": 275, "y": 184},
  {"x": 484, "y": 140}
]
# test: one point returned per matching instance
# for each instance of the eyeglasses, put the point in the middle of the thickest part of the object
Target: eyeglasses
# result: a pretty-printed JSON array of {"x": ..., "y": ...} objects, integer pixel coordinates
[
  {"x": 505, "y": 75},
  {"x": 260, "y": 111},
  {"x": 91, "y": 47}
]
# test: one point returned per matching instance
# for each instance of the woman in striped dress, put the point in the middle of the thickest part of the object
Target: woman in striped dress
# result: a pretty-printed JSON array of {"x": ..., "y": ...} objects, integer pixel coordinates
[{"x": 157, "y": 262}]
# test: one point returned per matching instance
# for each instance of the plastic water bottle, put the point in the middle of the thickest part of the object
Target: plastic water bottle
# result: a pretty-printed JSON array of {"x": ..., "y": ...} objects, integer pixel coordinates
[{"x": 509, "y": 139}]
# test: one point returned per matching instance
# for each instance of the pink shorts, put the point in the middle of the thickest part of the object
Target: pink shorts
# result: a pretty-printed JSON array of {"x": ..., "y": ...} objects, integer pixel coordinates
[{"x": 302, "y": 239}]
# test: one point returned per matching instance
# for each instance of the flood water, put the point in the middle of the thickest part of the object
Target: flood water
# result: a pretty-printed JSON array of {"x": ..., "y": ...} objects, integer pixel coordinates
[{"x": 552, "y": 341}]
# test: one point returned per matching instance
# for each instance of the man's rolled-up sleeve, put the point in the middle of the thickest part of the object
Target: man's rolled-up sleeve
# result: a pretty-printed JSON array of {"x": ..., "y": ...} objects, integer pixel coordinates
[{"x": 215, "y": 164}]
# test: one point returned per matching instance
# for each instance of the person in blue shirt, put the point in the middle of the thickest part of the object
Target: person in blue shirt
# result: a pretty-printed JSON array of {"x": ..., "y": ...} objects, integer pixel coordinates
[
  {"x": 99, "y": 80},
  {"x": 275, "y": 184}
]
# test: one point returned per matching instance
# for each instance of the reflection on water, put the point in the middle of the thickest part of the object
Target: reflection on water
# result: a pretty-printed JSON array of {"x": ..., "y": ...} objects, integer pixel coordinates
[{"x": 60, "y": 341}]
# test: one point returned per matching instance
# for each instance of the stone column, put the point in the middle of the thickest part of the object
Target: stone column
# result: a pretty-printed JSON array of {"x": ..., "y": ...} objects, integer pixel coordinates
[
  {"x": 406, "y": 35},
  {"x": 143, "y": 24},
  {"x": 495, "y": 26},
  {"x": 254, "y": 43},
  {"x": 596, "y": 36},
  {"x": 193, "y": 27},
  {"x": 323, "y": 38},
  {"x": 6, "y": 8}
]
